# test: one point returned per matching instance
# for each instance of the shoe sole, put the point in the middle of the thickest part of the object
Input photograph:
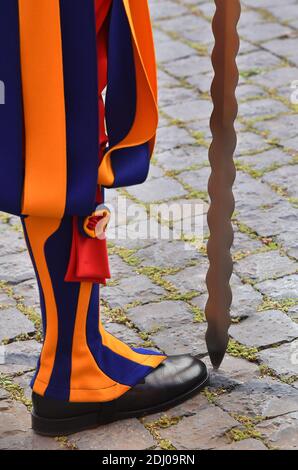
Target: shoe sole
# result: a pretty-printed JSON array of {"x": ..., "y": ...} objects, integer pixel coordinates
[{"x": 66, "y": 426}]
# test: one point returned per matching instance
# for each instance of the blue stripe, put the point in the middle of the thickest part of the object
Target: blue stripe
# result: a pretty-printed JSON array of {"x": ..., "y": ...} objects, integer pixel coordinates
[
  {"x": 130, "y": 165},
  {"x": 121, "y": 89},
  {"x": 11, "y": 113},
  {"x": 57, "y": 251},
  {"x": 118, "y": 368},
  {"x": 81, "y": 101}
]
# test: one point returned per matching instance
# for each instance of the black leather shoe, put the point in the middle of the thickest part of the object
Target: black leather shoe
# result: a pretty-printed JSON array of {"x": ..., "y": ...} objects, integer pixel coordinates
[{"x": 173, "y": 381}]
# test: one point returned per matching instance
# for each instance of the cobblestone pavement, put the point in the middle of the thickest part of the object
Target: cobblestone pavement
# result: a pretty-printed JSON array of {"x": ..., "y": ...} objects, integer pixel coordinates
[{"x": 157, "y": 294}]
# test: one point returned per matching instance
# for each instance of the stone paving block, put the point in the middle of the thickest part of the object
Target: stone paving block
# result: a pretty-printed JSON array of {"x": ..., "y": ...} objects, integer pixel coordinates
[
  {"x": 247, "y": 91},
  {"x": 155, "y": 172},
  {"x": 165, "y": 80},
  {"x": 263, "y": 31},
  {"x": 283, "y": 360},
  {"x": 245, "y": 300},
  {"x": 291, "y": 143},
  {"x": 246, "y": 47},
  {"x": 29, "y": 441},
  {"x": 197, "y": 179},
  {"x": 175, "y": 95},
  {"x": 131, "y": 289},
  {"x": 261, "y": 397},
  {"x": 166, "y": 9},
  {"x": 289, "y": 241},
  {"x": 191, "y": 279},
  {"x": 123, "y": 435},
  {"x": 186, "y": 23},
  {"x": 15, "y": 418},
  {"x": 167, "y": 313},
  {"x": 284, "y": 14},
  {"x": 282, "y": 127},
  {"x": 201, "y": 81},
  {"x": 264, "y": 161},
  {"x": 23, "y": 353},
  {"x": 157, "y": 190},
  {"x": 251, "y": 193},
  {"x": 293, "y": 313},
  {"x": 16, "y": 268},
  {"x": 169, "y": 51},
  {"x": 248, "y": 17},
  {"x": 284, "y": 288},
  {"x": 286, "y": 48},
  {"x": 167, "y": 254},
  {"x": 202, "y": 36},
  {"x": 124, "y": 240},
  {"x": 183, "y": 68},
  {"x": 267, "y": 265},
  {"x": 123, "y": 333},
  {"x": 28, "y": 291},
  {"x": 11, "y": 370},
  {"x": 257, "y": 60},
  {"x": 265, "y": 329},
  {"x": 246, "y": 444},
  {"x": 11, "y": 241},
  {"x": 183, "y": 157},
  {"x": 6, "y": 301},
  {"x": 248, "y": 142},
  {"x": 24, "y": 382},
  {"x": 285, "y": 178},
  {"x": 188, "y": 408},
  {"x": 265, "y": 107},
  {"x": 244, "y": 244},
  {"x": 119, "y": 268},
  {"x": 189, "y": 110},
  {"x": 277, "y": 78},
  {"x": 266, "y": 4},
  {"x": 270, "y": 219},
  {"x": 4, "y": 395},
  {"x": 281, "y": 432},
  {"x": 202, "y": 127},
  {"x": 188, "y": 338},
  {"x": 234, "y": 369},
  {"x": 205, "y": 430},
  {"x": 171, "y": 137},
  {"x": 207, "y": 9},
  {"x": 13, "y": 323}
]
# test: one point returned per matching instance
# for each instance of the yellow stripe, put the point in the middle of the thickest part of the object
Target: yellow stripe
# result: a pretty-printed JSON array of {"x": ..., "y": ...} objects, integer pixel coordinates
[
  {"x": 39, "y": 230},
  {"x": 44, "y": 108}
]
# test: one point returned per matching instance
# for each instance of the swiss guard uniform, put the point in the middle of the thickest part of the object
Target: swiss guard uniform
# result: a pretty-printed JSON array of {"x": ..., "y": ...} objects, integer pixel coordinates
[{"x": 60, "y": 147}]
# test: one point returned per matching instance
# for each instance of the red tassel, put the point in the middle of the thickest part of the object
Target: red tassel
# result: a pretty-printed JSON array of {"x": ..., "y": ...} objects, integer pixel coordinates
[{"x": 88, "y": 258}]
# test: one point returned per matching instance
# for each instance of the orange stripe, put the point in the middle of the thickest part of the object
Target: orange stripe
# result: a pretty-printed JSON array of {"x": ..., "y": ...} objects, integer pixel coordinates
[
  {"x": 146, "y": 118},
  {"x": 115, "y": 345},
  {"x": 39, "y": 229},
  {"x": 88, "y": 382},
  {"x": 44, "y": 108}
]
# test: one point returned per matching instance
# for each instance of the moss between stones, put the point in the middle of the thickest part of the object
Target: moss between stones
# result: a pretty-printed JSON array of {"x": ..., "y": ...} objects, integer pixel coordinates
[
  {"x": 162, "y": 423},
  {"x": 239, "y": 350},
  {"x": 271, "y": 304},
  {"x": 15, "y": 391},
  {"x": 265, "y": 371},
  {"x": 238, "y": 434},
  {"x": 65, "y": 443}
]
